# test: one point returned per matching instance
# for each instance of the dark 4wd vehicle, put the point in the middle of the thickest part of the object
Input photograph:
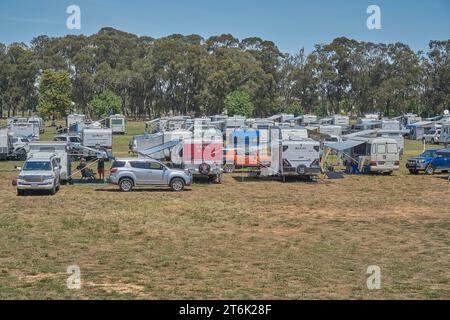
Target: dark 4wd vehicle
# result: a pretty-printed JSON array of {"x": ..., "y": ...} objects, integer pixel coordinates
[{"x": 429, "y": 162}]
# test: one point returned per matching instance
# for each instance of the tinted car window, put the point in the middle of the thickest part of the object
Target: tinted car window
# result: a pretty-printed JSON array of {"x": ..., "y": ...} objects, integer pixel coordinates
[
  {"x": 118, "y": 164},
  {"x": 155, "y": 166},
  {"x": 138, "y": 164},
  {"x": 37, "y": 166}
]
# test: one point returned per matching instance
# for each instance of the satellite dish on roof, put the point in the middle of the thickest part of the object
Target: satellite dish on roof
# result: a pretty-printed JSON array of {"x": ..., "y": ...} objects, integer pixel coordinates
[{"x": 446, "y": 112}]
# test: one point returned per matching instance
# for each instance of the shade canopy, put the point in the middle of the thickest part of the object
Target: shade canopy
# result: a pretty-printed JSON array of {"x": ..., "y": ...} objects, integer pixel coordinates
[{"x": 344, "y": 145}]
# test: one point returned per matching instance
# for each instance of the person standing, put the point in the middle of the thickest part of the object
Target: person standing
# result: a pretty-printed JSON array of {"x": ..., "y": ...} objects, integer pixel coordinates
[{"x": 101, "y": 168}]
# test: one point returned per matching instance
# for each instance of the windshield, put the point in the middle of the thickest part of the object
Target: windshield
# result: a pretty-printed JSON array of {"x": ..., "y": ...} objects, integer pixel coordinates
[
  {"x": 37, "y": 166},
  {"x": 429, "y": 154}
]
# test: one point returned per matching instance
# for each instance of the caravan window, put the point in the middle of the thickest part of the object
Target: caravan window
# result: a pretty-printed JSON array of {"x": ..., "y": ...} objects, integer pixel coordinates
[
  {"x": 117, "y": 122},
  {"x": 381, "y": 148},
  {"x": 392, "y": 148}
]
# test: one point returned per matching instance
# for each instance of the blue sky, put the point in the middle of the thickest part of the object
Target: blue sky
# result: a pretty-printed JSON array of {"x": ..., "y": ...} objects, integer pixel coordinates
[{"x": 291, "y": 24}]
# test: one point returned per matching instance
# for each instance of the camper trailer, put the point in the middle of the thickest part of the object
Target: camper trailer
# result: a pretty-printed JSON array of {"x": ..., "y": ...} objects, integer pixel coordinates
[
  {"x": 24, "y": 129},
  {"x": 38, "y": 122},
  {"x": 202, "y": 154},
  {"x": 408, "y": 119},
  {"x": 60, "y": 149},
  {"x": 419, "y": 129},
  {"x": 94, "y": 138},
  {"x": 246, "y": 148},
  {"x": 291, "y": 154},
  {"x": 116, "y": 123}
]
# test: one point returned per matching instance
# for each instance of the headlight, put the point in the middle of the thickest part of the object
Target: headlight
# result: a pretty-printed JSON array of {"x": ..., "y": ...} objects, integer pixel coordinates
[
  {"x": 21, "y": 178},
  {"x": 48, "y": 177},
  {"x": 421, "y": 161}
]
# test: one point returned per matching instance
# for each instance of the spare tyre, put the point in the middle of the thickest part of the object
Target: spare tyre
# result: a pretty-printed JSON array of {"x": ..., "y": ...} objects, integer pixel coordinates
[{"x": 204, "y": 168}]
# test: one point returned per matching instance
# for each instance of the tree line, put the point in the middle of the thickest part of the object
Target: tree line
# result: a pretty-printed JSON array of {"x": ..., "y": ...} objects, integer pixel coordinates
[{"x": 145, "y": 77}]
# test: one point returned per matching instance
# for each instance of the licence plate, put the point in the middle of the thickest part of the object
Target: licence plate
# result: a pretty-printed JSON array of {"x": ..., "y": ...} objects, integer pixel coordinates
[{"x": 34, "y": 184}]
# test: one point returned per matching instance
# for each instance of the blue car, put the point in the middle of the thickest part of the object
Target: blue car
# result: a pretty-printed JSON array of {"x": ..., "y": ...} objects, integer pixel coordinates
[{"x": 430, "y": 161}]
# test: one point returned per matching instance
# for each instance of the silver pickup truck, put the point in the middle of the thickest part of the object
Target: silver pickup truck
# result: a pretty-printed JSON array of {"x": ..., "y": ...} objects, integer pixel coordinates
[{"x": 134, "y": 172}]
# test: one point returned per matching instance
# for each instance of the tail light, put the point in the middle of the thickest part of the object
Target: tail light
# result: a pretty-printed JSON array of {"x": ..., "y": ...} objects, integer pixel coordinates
[
  {"x": 373, "y": 163},
  {"x": 113, "y": 170}
]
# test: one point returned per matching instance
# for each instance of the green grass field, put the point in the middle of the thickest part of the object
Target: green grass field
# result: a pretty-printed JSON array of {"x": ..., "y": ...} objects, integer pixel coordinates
[{"x": 241, "y": 239}]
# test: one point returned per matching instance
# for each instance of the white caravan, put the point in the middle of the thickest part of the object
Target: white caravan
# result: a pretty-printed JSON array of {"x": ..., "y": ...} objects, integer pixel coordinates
[
  {"x": 25, "y": 129},
  {"x": 117, "y": 123}
]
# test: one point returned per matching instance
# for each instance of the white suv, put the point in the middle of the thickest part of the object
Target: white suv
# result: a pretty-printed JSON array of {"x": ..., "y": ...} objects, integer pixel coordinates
[
  {"x": 40, "y": 172},
  {"x": 432, "y": 136}
]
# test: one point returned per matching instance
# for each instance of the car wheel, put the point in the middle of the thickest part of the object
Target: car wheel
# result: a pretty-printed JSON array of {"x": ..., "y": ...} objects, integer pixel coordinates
[
  {"x": 21, "y": 155},
  {"x": 53, "y": 191},
  {"x": 126, "y": 185},
  {"x": 430, "y": 170},
  {"x": 415, "y": 172},
  {"x": 177, "y": 184}
]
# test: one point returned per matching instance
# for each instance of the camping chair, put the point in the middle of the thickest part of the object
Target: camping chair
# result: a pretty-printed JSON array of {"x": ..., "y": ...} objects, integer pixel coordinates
[{"x": 87, "y": 173}]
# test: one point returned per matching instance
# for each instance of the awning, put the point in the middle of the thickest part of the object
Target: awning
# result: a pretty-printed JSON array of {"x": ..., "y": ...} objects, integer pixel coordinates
[
  {"x": 344, "y": 145},
  {"x": 153, "y": 150},
  {"x": 444, "y": 152}
]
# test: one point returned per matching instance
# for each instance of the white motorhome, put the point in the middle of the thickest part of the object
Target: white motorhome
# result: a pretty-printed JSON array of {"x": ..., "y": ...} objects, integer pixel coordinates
[
  {"x": 117, "y": 123},
  {"x": 60, "y": 149},
  {"x": 368, "y": 155}
]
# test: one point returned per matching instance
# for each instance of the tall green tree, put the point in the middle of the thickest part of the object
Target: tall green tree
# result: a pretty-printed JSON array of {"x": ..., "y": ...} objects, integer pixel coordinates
[
  {"x": 54, "y": 94},
  {"x": 106, "y": 103},
  {"x": 239, "y": 103}
]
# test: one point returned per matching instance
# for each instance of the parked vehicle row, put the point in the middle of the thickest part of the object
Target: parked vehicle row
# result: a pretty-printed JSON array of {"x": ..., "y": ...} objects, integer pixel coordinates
[{"x": 429, "y": 162}]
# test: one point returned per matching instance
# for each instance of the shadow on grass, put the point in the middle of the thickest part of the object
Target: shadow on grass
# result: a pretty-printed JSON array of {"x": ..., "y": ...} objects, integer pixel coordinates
[
  {"x": 141, "y": 190},
  {"x": 287, "y": 179},
  {"x": 37, "y": 193},
  {"x": 445, "y": 177}
]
